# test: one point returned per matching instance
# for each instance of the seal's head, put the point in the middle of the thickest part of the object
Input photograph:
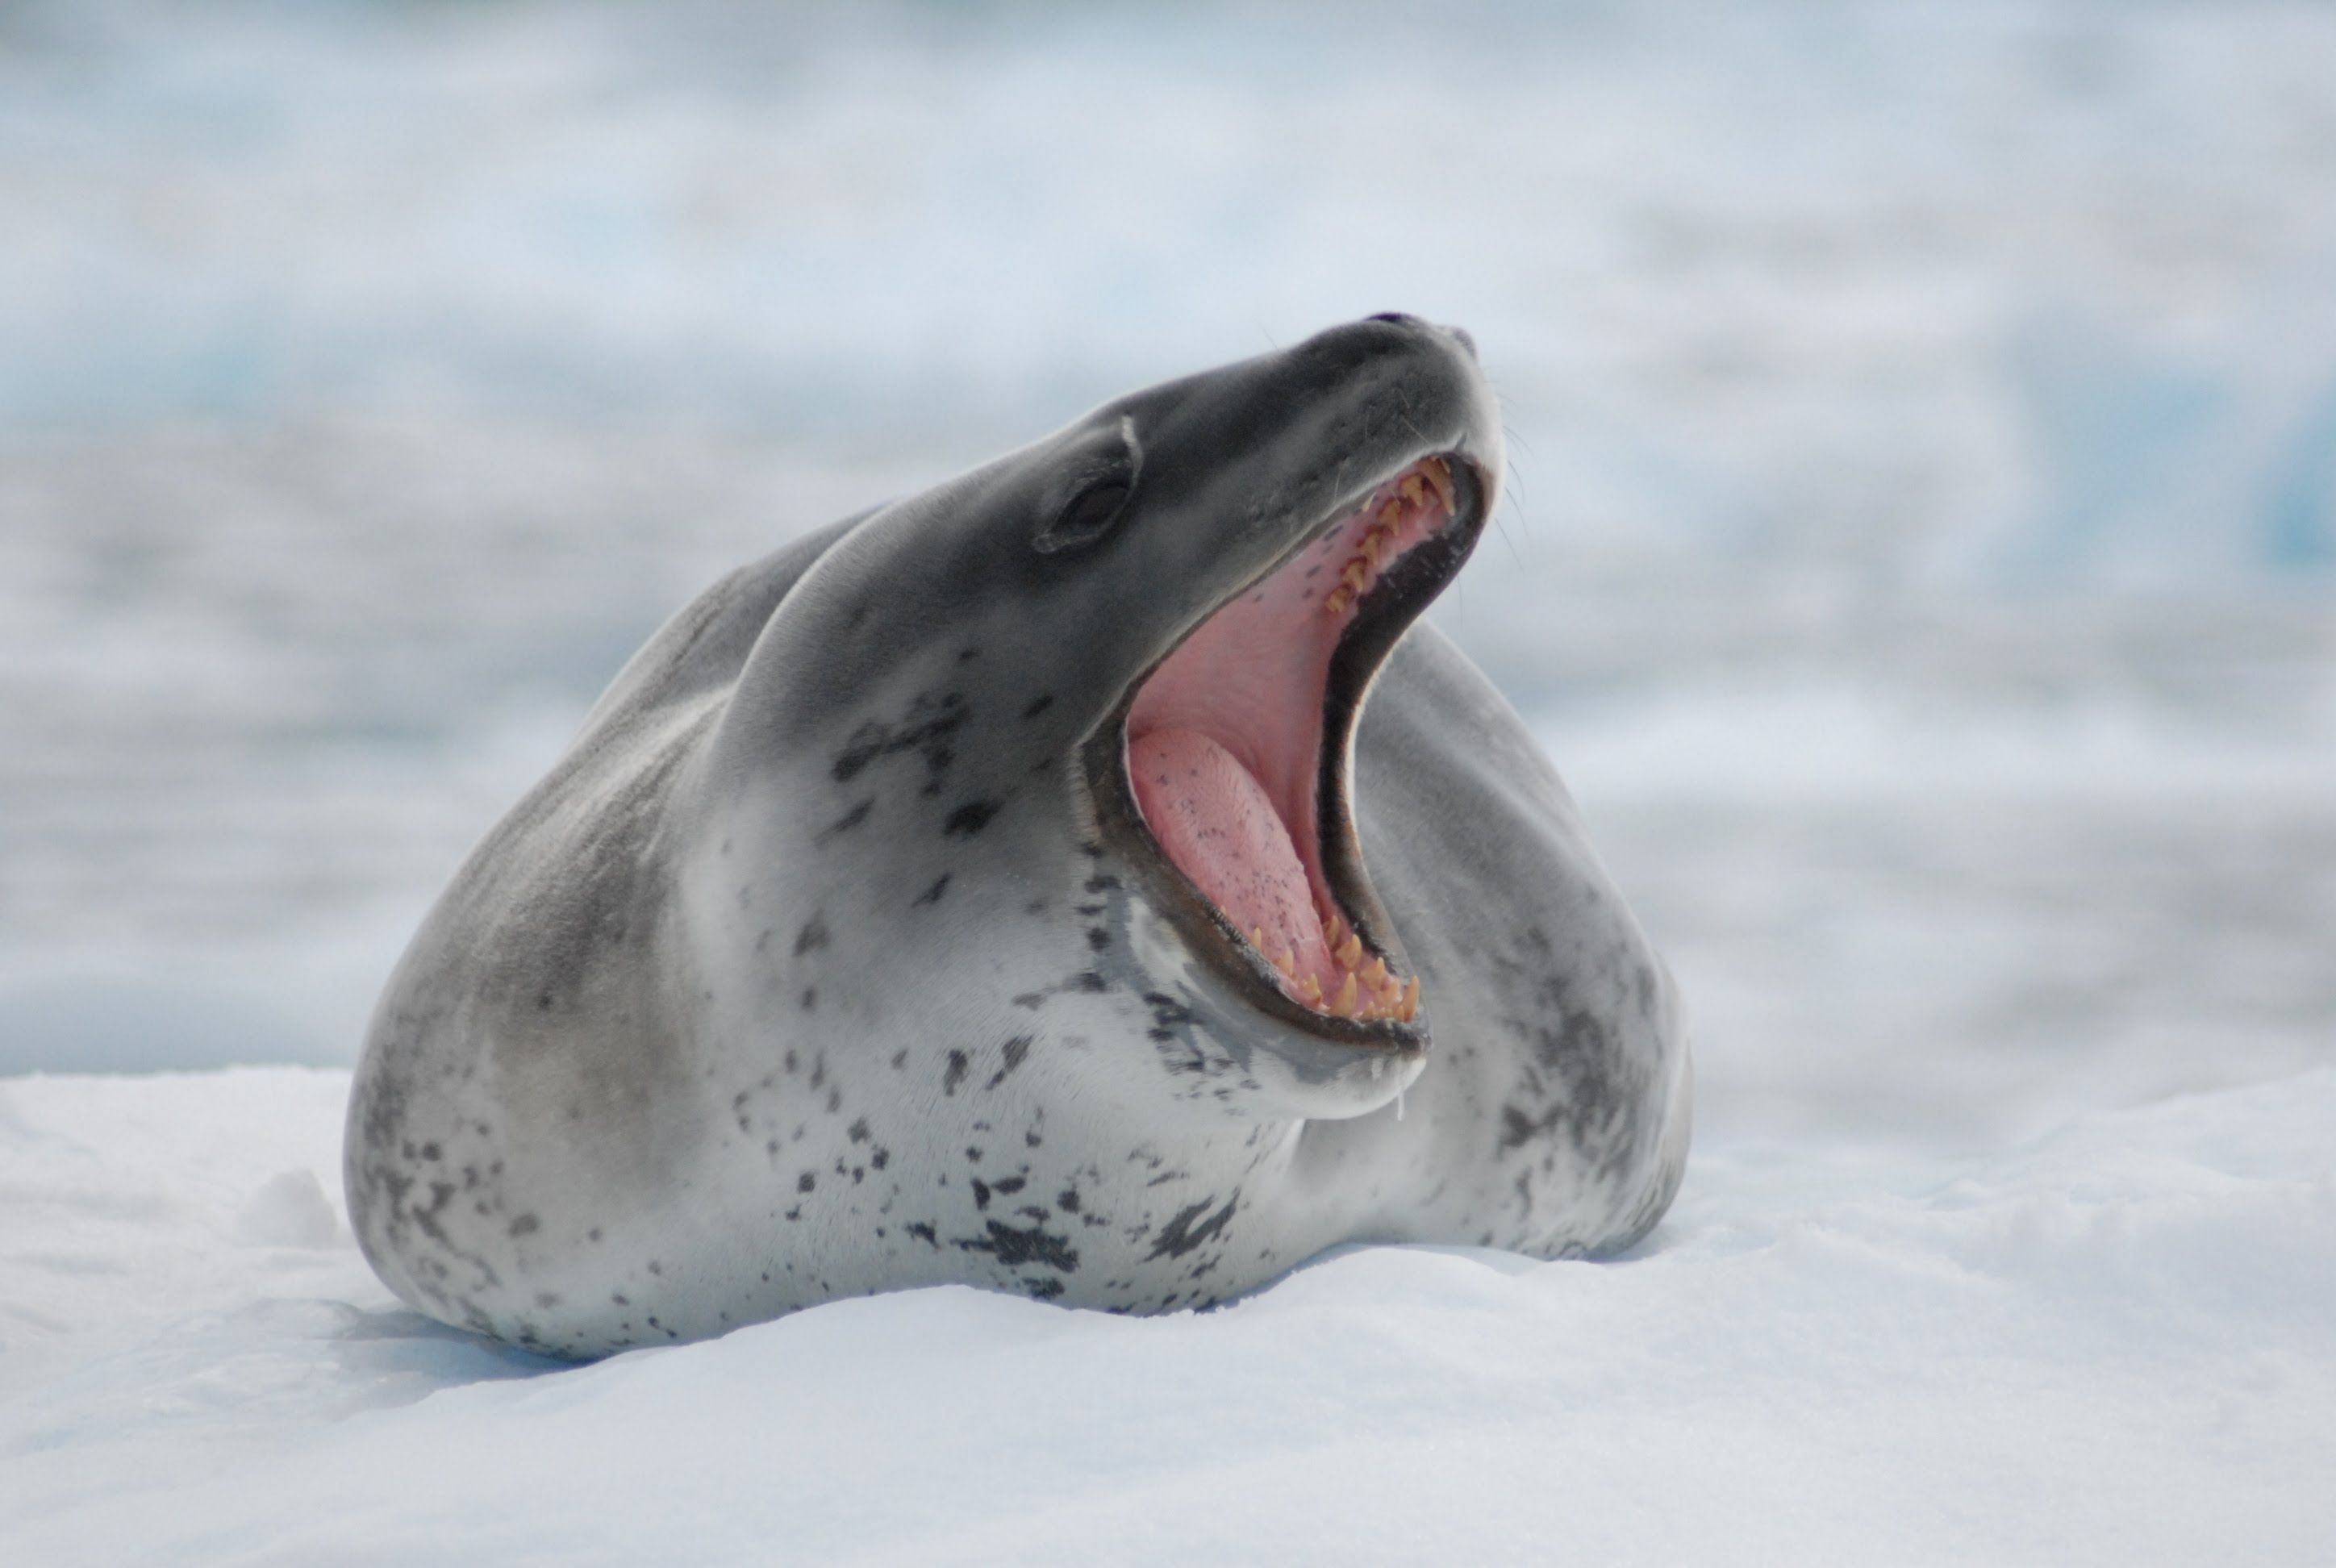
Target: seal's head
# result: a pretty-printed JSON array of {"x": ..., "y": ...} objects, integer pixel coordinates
[{"x": 1140, "y": 648}]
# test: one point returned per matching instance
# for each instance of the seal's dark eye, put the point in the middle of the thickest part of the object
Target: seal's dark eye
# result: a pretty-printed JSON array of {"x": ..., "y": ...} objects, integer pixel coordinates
[
  {"x": 1086, "y": 517},
  {"x": 1090, "y": 488}
]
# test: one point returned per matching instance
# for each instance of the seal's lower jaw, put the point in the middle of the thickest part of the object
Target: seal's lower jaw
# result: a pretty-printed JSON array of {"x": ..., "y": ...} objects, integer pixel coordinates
[{"x": 1224, "y": 776}]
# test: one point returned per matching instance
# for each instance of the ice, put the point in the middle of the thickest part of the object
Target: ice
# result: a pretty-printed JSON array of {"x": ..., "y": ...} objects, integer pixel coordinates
[
  {"x": 290, "y": 1210},
  {"x": 2111, "y": 1344}
]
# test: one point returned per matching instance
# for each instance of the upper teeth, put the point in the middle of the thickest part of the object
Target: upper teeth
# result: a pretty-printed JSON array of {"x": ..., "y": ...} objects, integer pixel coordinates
[{"x": 1377, "y": 547}]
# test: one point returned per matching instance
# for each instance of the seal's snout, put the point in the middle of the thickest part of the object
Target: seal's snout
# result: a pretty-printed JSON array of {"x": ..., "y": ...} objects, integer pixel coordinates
[{"x": 1399, "y": 319}]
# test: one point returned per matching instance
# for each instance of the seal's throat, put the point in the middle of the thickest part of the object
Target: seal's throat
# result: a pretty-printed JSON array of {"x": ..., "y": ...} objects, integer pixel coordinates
[{"x": 1236, "y": 744}]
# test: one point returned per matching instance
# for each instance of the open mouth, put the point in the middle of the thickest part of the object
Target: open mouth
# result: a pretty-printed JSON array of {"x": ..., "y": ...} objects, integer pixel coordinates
[{"x": 1238, "y": 749}]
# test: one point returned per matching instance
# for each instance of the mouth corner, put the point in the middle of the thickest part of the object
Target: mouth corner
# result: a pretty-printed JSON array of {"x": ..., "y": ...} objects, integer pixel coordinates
[{"x": 1224, "y": 773}]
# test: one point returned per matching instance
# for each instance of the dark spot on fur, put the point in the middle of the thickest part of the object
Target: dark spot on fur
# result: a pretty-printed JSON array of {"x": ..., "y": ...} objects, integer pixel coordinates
[
  {"x": 980, "y": 1193},
  {"x": 1013, "y": 1248},
  {"x": 1038, "y": 705},
  {"x": 1187, "y": 1229},
  {"x": 847, "y": 822},
  {"x": 932, "y": 895},
  {"x": 956, "y": 1073},
  {"x": 806, "y": 1181},
  {"x": 924, "y": 1234},
  {"x": 1015, "y": 1052},
  {"x": 526, "y": 1225},
  {"x": 1097, "y": 938},
  {"x": 812, "y": 936},
  {"x": 1068, "y": 1200},
  {"x": 924, "y": 729},
  {"x": 810, "y": 998},
  {"x": 1166, "y": 1011},
  {"x": 858, "y": 1131},
  {"x": 970, "y": 818}
]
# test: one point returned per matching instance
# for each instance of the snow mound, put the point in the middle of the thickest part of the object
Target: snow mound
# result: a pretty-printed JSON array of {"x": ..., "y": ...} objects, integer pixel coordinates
[{"x": 2112, "y": 1345}]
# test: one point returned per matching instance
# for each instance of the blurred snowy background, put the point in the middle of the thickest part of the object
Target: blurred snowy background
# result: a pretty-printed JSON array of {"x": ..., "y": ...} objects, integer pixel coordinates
[{"x": 1920, "y": 553}]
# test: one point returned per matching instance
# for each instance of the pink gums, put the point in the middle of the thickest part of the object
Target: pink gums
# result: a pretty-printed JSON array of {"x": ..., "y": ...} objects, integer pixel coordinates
[{"x": 1224, "y": 741}]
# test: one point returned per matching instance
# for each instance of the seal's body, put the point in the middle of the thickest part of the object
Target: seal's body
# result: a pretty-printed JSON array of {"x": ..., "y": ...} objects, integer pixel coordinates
[{"x": 1011, "y": 886}]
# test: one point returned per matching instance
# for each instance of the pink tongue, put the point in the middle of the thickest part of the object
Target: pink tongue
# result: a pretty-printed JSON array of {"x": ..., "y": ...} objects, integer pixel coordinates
[{"x": 1218, "y": 825}]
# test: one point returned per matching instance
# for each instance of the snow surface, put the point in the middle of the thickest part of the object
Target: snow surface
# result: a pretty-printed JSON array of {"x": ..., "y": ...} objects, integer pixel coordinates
[
  {"x": 1919, "y": 554},
  {"x": 2113, "y": 1344}
]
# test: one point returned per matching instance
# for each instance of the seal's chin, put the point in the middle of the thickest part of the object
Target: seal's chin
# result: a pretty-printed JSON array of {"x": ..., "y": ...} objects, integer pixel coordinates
[{"x": 1228, "y": 766}]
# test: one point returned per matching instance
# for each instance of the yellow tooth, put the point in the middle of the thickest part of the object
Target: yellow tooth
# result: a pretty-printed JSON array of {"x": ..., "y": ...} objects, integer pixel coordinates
[
  {"x": 1345, "y": 1004},
  {"x": 1257, "y": 940},
  {"x": 1340, "y": 597},
  {"x": 1391, "y": 513},
  {"x": 1310, "y": 992},
  {"x": 1350, "y": 952},
  {"x": 1439, "y": 475},
  {"x": 1334, "y": 929},
  {"x": 1375, "y": 976},
  {"x": 1357, "y": 571},
  {"x": 1286, "y": 961},
  {"x": 1410, "y": 1008},
  {"x": 1411, "y": 487}
]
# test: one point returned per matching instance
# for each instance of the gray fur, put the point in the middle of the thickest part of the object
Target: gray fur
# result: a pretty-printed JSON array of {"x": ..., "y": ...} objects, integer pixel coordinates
[{"x": 808, "y": 973}]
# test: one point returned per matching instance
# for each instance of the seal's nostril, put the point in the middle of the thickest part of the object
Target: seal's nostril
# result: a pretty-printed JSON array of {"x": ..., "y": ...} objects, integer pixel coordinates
[{"x": 1402, "y": 318}]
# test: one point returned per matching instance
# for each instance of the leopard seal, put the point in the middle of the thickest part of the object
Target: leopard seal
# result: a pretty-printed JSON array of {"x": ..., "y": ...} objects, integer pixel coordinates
[{"x": 1012, "y": 885}]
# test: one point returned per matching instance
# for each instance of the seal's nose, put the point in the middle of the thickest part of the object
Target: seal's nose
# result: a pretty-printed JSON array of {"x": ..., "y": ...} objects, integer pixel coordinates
[{"x": 1398, "y": 318}]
